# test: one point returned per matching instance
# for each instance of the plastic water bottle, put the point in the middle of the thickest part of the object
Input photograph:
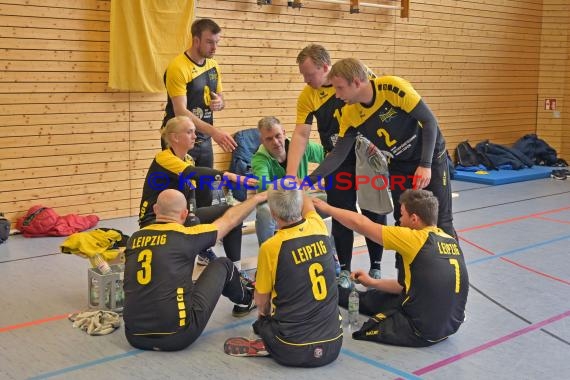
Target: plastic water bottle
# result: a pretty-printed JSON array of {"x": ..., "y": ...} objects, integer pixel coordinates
[
  {"x": 98, "y": 262},
  {"x": 119, "y": 293},
  {"x": 218, "y": 196},
  {"x": 353, "y": 306},
  {"x": 94, "y": 294},
  {"x": 230, "y": 200}
]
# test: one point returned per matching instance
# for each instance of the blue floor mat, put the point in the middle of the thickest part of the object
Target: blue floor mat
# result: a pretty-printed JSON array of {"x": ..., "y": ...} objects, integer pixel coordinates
[{"x": 501, "y": 177}]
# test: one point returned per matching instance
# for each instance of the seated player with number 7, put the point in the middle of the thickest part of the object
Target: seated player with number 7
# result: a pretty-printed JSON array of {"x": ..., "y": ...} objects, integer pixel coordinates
[
  {"x": 295, "y": 292},
  {"x": 427, "y": 302}
]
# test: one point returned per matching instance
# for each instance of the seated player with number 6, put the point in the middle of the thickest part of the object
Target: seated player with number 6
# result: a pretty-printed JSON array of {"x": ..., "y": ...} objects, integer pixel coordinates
[
  {"x": 426, "y": 304},
  {"x": 295, "y": 293}
]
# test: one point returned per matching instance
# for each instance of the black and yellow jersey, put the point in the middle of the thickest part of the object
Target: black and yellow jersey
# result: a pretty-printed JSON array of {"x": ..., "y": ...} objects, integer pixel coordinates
[
  {"x": 185, "y": 77},
  {"x": 168, "y": 171},
  {"x": 159, "y": 261},
  {"x": 296, "y": 266},
  {"x": 324, "y": 106},
  {"x": 435, "y": 279},
  {"x": 387, "y": 122}
]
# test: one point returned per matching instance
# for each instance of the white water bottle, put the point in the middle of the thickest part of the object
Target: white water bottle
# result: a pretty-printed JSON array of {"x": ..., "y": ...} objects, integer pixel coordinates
[
  {"x": 99, "y": 262},
  {"x": 353, "y": 306}
]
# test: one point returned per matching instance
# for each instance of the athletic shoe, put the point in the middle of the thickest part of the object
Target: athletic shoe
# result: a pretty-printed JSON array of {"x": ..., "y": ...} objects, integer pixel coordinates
[
  {"x": 206, "y": 257},
  {"x": 375, "y": 274},
  {"x": 558, "y": 174},
  {"x": 239, "y": 346},
  {"x": 344, "y": 280},
  {"x": 243, "y": 310}
]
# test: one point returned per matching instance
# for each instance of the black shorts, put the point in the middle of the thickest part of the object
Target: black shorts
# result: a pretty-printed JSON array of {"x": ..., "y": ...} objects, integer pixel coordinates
[
  {"x": 307, "y": 355},
  {"x": 391, "y": 327}
]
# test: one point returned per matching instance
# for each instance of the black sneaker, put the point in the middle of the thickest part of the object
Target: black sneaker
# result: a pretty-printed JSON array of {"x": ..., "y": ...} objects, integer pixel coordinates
[
  {"x": 243, "y": 310},
  {"x": 558, "y": 174}
]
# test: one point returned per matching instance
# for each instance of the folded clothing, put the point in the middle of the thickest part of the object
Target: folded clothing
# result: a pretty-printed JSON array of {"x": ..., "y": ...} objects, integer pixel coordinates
[{"x": 97, "y": 322}]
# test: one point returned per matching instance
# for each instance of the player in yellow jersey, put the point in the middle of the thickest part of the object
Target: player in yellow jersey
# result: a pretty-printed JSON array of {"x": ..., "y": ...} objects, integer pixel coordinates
[
  {"x": 295, "y": 291},
  {"x": 317, "y": 104},
  {"x": 427, "y": 303},
  {"x": 392, "y": 115},
  {"x": 164, "y": 310}
]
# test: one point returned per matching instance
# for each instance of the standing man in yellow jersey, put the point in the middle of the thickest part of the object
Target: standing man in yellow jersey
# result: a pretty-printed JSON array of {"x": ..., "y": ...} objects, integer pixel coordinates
[
  {"x": 194, "y": 84},
  {"x": 317, "y": 101},
  {"x": 393, "y": 116}
]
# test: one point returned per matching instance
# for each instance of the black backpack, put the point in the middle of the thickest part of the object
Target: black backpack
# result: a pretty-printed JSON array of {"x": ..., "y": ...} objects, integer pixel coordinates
[
  {"x": 4, "y": 228},
  {"x": 466, "y": 155}
]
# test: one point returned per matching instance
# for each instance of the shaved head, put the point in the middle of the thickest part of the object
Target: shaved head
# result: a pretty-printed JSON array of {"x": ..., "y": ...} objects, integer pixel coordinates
[{"x": 170, "y": 204}]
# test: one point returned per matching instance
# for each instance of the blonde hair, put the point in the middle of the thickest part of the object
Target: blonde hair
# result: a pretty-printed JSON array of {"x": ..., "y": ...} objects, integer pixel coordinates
[
  {"x": 317, "y": 53},
  {"x": 172, "y": 126},
  {"x": 349, "y": 69},
  {"x": 268, "y": 122}
]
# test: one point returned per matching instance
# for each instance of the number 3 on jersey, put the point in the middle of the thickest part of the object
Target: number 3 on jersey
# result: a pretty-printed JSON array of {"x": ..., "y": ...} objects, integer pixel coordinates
[
  {"x": 145, "y": 273},
  {"x": 319, "y": 287}
]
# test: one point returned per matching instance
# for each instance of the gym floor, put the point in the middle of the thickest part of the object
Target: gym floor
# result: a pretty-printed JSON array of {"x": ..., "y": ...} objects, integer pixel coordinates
[{"x": 515, "y": 239}]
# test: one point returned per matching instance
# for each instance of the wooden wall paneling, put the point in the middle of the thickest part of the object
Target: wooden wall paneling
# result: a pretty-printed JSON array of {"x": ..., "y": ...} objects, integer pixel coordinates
[
  {"x": 484, "y": 66},
  {"x": 471, "y": 57},
  {"x": 259, "y": 47},
  {"x": 553, "y": 83},
  {"x": 65, "y": 136}
]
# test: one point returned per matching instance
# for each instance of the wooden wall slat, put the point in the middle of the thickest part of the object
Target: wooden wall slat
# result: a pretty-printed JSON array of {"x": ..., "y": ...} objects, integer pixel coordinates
[
  {"x": 23, "y": 8},
  {"x": 553, "y": 74},
  {"x": 48, "y": 119},
  {"x": 36, "y": 173},
  {"x": 65, "y": 4}
]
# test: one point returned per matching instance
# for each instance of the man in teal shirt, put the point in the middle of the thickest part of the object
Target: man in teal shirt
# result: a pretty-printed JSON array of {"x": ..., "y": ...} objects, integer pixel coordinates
[{"x": 269, "y": 164}]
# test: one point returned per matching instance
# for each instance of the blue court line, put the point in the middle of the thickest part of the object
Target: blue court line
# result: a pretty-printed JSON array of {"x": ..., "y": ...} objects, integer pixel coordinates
[
  {"x": 517, "y": 250},
  {"x": 129, "y": 353},
  {"x": 87, "y": 364},
  {"x": 377, "y": 364}
]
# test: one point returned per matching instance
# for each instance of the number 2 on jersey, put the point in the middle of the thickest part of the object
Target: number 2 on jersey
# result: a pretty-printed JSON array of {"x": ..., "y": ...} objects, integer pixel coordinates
[
  {"x": 387, "y": 140},
  {"x": 319, "y": 287},
  {"x": 144, "y": 274}
]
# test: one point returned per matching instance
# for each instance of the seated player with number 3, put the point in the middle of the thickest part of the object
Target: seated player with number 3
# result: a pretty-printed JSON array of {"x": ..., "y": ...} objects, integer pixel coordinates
[
  {"x": 295, "y": 292},
  {"x": 164, "y": 310},
  {"x": 427, "y": 303}
]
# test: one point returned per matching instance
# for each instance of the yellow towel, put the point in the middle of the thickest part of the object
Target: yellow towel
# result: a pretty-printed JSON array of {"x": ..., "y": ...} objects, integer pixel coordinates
[
  {"x": 145, "y": 36},
  {"x": 92, "y": 243}
]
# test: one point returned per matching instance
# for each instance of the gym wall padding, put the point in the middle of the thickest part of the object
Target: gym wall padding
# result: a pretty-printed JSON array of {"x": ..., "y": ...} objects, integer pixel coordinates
[{"x": 501, "y": 177}]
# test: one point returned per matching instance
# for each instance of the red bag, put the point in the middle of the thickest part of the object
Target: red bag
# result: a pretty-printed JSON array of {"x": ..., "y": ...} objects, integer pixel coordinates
[
  {"x": 44, "y": 221},
  {"x": 38, "y": 221}
]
